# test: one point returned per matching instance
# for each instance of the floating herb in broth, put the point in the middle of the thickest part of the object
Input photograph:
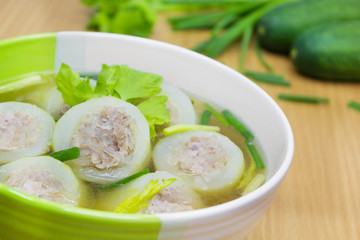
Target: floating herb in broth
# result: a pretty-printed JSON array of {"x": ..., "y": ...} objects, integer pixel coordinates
[{"x": 252, "y": 176}]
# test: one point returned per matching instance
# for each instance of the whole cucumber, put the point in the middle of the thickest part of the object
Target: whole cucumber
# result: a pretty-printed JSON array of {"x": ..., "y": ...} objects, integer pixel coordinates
[
  {"x": 279, "y": 27},
  {"x": 330, "y": 51}
]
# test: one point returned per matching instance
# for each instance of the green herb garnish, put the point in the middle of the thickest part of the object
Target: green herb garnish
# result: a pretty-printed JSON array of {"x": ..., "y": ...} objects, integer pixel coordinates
[
  {"x": 188, "y": 127},
  {"x": 136, "y": 87},
  {"x": 256, "y": 156},
  {"x": 217, "y": 115},
  {"x": 354, "y": 105},
  {"x": 238, "y": 125},
  {"x": 124, "y": 181},
  {"x": 268, "y": 78},
  {"x": 255, "y": 183},
  {"x": 205, "y": 117},
  {"x": 66, "y": 154},
  {"x": 135, "y": 203},
  {"x": 302, "y": 98},
  {"x": 261, "y": 57}
]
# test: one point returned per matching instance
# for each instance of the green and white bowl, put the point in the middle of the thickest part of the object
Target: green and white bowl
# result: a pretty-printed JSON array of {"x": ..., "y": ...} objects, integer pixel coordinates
[{"x": 26, "y": 217}]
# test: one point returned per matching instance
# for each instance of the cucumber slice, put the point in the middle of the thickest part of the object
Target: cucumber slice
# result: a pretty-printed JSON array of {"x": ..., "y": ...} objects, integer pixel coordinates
[
  {"x": 207, "y": 161},
  {"x": 25, "y": 130},
  {"x": 45, "y": 177},
  {"x": 179, "y": 105},
  {"x": 176, "y": 197},
  {"x": 112, "y": 135}
]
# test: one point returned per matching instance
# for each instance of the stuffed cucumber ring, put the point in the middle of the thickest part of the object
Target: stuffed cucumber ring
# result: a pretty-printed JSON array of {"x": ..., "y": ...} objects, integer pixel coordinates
[
  {"x": 209, "y": 162},
  {"x": 112, "y": 135},
  {"x": 176, "y": 197},
  {"x": 25, "y": 130},
  {"x": 45, "y": 177}
]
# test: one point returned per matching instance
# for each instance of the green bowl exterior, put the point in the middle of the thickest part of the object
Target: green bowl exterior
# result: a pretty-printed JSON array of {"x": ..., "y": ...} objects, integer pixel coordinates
[{"x": 26, "y": 217}]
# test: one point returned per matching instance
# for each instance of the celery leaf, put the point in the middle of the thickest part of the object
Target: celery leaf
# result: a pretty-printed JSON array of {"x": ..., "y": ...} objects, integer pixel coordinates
[{"x": 136, "y": 202}]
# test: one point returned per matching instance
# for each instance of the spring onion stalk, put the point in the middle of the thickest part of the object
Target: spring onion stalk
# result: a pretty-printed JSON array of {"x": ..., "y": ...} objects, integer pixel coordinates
[
  {"x": 238, "y": 125},
  {"x": 66, "y": 154},
  {"x": 217, "y": 115},
  {"x": 244, "y": 47},
  {"x": 188, "y": 127},
  {"x": 202, "y": 46},
  {"x": 258, "y": 180},
  {"x": 223, "y": 23},
  {"x": 124, "y": 180},
  {"x": 261, "y": 57},
  {"x": 195, "y": 21},
  {"x": 268, "y": 78},
  {"x": 221, "y": 42},
  {"x": 354, "y": 105},
  {"x": 255, "y": 154},
  {"x": 248, "y": 176},
  {"x": 205, "y": 117},
  {"x": 302, "y": 98}
]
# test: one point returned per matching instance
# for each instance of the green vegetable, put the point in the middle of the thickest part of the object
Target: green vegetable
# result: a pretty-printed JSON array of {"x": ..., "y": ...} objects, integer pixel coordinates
[
  {"x": 135, "y": 203},
  {"x": 244, "y": 47},
  {"x": 217, "y": 115},
  {"x": 248, "y": 175},
  {"x": 354, "y": 105},
  {"x": 133, "y": 86},
  {"x": 256, "y": 156},
  {"x": 22, "y": 83},
  {"x": 261, "y": 57},
  {"x": 188, "y": 127},
  {"x": 132, "y": 17},
  {"x": 66, "y": 154},
  {"x": 279, "y": 28},
  {"x": 155, "y": 112},
  {"x": 330, "y": 51},
  {"x": 258, "y": 180},
  {"x": 124, "y": 181},
  {"x": 302, "y": 98},
  {"x": 205, "y": 117},
  {"x": 238, "y": 125},
  {"x": 268, "y": 78}
]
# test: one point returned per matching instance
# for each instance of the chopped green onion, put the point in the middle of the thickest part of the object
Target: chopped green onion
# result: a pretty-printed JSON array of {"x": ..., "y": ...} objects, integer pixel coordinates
[
  {"x": 244, "y": 47},
  {"x": 66, "y": 154},
  {"x": 268, "y": 78},
  {"x": 188, "y": 127},
  {"x": 256, "y": 156},
  {"x": 205, "y": 117},
  {"x": 248, "y": 175},
  {"x": 238, "y": 125},
  {"x": 302, "y": 98},
  {"x": 261, "y": 57},
  {"x": 124, "y": 180},
  {"x": 217, "y": 115},
  {"x": 354, "y": 105},
  {"x": 258, "y": 180}
]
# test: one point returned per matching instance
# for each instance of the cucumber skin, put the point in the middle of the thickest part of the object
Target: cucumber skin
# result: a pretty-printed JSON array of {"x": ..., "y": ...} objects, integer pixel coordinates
[
  {"x": 278, "y": 28},
  {"x": 330, "y": 51}
]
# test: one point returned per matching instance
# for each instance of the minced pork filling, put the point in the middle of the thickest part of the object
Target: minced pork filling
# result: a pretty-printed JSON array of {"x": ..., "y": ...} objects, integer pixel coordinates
[
  {"x": 17, "y": 130},
  {"x": 38, "y": 182},
  {"x": 105, "y": 138},
  {"x": 168, "y": 200},
  {"x": 199, "y": 156}
]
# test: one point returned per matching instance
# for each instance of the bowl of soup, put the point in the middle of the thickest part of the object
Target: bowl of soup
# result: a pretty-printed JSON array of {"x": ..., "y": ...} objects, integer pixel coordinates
[{"x": 107, "y": 136}]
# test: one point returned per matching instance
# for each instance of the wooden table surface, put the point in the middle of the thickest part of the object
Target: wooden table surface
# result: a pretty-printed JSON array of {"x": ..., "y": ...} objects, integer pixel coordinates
[{"x": 320, "y": 196}]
